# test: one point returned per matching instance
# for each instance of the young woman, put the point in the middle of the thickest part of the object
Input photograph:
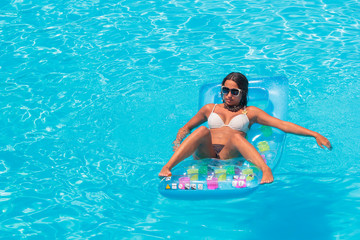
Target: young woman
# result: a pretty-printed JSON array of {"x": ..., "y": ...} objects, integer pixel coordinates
[{"x": 228, "y": 125}]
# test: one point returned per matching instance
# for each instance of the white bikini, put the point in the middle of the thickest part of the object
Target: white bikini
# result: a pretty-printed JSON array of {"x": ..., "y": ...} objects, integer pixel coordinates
[{"x": 240, "y": 122}]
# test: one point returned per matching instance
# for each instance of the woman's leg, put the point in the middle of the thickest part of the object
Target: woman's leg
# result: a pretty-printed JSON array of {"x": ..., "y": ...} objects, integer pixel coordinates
[
  {"x": 199, "y": 141},
  {"x": 239, "y": 145}
]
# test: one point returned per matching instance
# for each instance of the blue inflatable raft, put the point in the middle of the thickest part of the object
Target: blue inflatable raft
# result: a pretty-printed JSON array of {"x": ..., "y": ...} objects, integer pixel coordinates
[{"x": 213, "y": 178}]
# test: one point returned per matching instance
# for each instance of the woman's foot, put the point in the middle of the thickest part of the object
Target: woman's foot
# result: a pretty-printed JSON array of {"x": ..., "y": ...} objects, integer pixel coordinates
[
  {"x": 267, "y": 176},
  {"x": 165, "y": 172}
]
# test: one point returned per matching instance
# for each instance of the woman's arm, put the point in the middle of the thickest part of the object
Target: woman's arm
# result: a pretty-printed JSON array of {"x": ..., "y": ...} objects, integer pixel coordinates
[
  {"x": 263, "y": 118},
  {"x": 195, "y": 121}
]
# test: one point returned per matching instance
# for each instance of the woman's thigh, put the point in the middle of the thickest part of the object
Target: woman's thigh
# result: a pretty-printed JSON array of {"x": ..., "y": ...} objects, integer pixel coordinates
[{"x": 202, "y": 138}]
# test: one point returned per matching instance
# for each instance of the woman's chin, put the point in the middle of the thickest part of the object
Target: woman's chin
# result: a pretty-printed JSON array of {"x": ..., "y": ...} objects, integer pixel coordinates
[{"x": 230, "y": 103}]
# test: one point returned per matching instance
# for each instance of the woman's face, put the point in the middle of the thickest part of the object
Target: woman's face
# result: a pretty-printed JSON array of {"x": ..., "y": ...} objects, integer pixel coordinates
[{"x": 229, "y": 98}]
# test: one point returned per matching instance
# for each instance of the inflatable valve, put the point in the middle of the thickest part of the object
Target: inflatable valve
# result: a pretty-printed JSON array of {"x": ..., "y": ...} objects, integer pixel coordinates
[
  {"x": 184, "y": 183},
  {"x": 263, "y": 146},
  {"x": 230, "y": 170},
  {"x": 203, "y": 170},
  {"x": 212, "y": 183},
  {"x": 249, "y": 173},
  {"x": 250, "y": 177},
  {"x": 220, "y": 173},
  {"x": 193, "y": 173},
  {"x": 266, "y": 131}
]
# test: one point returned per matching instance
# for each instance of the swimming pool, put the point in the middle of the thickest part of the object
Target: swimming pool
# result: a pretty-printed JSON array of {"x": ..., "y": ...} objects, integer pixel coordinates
[{"x": 93, "y": 93}]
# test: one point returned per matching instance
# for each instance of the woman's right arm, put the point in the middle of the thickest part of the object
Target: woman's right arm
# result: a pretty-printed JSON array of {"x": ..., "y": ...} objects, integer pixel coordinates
[{"x": 194, "y": 122}]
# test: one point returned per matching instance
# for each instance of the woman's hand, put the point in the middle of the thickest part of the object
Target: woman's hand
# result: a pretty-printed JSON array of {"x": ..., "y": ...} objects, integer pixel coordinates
[
  {"x": 176, "y": 145},
  {"x": 323, "y": 141},
  {"x": 165, "y": 172}
]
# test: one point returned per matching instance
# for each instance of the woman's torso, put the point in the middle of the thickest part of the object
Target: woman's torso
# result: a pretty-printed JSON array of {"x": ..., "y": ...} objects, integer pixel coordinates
[{"x": 227, "y": 123}]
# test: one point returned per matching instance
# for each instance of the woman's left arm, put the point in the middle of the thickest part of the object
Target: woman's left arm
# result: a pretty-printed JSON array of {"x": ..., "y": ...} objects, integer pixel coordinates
[{"x": 261, "y": 117}]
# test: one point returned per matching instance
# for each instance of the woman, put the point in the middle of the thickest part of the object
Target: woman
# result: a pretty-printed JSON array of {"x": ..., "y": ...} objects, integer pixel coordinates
[{"x": 228, "y": 124}]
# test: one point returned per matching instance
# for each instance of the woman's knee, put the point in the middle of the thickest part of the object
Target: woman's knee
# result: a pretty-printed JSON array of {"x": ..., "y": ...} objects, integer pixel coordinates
[
  {"x": 202, "y": 131},
  {"x": 238, "y": 138}
]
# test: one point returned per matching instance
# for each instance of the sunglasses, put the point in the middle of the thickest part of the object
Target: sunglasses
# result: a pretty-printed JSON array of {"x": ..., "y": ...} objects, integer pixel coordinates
[{"x": 234, "y": 91}]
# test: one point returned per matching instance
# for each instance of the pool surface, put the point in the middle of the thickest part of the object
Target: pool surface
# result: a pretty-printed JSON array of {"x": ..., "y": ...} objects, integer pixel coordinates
[{"x": 92, "y": 94}]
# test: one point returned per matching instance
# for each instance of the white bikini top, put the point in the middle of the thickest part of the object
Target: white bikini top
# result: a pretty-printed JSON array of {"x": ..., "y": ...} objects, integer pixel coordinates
[{"x": 239, "y": 122}]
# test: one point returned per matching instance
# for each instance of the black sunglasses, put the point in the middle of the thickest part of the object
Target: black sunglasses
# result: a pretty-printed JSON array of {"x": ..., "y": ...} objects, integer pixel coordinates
[{"x": 234, "y": 91}]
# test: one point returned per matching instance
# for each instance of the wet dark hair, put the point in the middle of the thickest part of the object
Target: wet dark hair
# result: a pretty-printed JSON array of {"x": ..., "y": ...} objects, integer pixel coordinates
[{"x": 242, "y": 83}]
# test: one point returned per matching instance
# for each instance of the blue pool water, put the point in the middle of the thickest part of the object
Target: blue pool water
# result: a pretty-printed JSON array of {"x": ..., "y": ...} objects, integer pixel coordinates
[{"x": 93, "y": 93}]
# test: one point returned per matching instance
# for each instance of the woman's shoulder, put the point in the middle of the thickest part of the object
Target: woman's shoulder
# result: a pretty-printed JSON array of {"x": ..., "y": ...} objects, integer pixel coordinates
[
  {"x": 211, "y": 105},
  {"x": 253, "y": 111},
  {"x": 208, "y": 107},
  {"x": 252, "y": 108}
]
